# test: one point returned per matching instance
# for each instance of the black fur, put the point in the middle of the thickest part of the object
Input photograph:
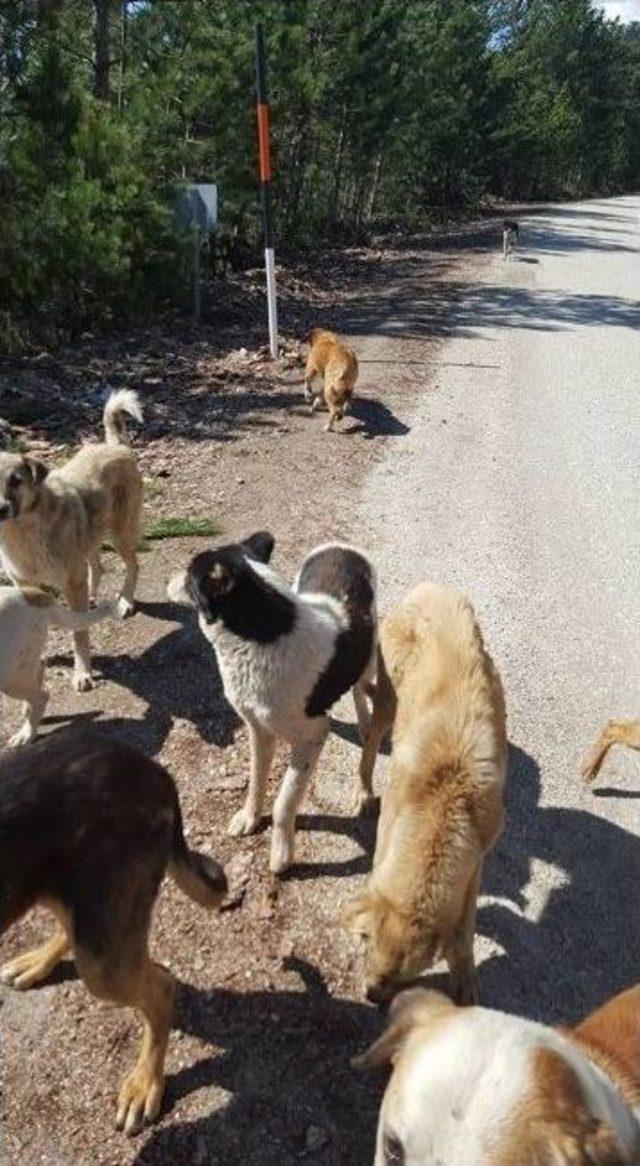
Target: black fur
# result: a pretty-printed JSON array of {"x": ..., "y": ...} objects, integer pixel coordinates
[
  {"x": 346, "y": 575},
  {"x": 224, "y": 586},
  {"x": 511, "y": 225},
  {"x": 93, "y": 824}
]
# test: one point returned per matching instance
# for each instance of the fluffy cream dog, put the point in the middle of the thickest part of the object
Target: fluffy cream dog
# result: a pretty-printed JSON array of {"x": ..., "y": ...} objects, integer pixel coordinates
[
  {"x": 52, "y": 523},
  {"x": 442, "y": 808},
  {"x": 473, "y": 1087},
  {"x": 25, "y": 618}
]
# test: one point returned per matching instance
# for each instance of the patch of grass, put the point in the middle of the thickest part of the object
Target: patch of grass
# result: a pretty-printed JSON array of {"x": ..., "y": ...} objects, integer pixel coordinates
[{"x": 164, "y": 527}]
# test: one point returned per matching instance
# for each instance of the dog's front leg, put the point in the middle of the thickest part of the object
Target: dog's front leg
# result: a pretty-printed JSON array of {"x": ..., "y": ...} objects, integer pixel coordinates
[
  {"x": 77, "y": 595},
  {"x": 262, "y": 744},
  {"x": 459, "y": 952},
  {"x": 302, "y": 763}
]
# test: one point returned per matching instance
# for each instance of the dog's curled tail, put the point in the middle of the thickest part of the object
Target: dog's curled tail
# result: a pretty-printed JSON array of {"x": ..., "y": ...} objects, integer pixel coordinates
[
  {"x": 199, "y": 877},
  {"x": 119, "y": 402}
]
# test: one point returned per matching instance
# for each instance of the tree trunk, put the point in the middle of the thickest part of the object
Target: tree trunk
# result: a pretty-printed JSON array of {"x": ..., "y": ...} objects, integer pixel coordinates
[{"x": 101, "y": 60}]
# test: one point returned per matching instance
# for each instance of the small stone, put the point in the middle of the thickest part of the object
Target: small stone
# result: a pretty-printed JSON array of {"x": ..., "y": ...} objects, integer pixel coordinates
[{"x": 315, "y": 1139}]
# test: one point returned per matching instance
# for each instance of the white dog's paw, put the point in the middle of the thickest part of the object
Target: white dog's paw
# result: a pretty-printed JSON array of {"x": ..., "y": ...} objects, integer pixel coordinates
[
  {"x": 82, "y": 681},
  {"x": 282, "y": 842},
  {"x": 124, "y": 607},
  {"x": 244, "y": 822},
  {"x": 24, "y": 735}
]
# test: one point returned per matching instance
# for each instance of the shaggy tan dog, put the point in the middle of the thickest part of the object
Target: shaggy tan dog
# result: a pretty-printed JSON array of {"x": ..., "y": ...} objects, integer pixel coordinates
[
  {"x": 52, "y": 523},
  {"x": 474, "y": 1087},
  {"x": 337, "y": 365},
  {"x": 442, "y": 808}
]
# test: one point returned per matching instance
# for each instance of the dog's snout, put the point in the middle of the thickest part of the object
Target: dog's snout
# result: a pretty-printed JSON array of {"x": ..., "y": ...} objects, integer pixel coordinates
[
  {"x": 380, "y": 992},
  {"x": 5, "y": 510}
]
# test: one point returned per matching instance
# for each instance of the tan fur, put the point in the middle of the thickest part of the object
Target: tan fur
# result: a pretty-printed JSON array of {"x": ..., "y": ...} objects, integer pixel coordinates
[
  {"x": 337, "y": 365},
  {"x": 58, "y": 520},
  {"x": 614, "y": 733},
  {"x": 610, "y": 1037},
  {"x": 442, "y": 808}
]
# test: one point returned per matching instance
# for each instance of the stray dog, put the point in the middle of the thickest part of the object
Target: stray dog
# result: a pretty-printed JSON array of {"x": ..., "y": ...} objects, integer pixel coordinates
[
  {"x": 442, "y": 807},
  {"x": 53, "y": 522},
  {"x": 473, "y": 1086},
  {"x": 337, "y": 365},
  {"x": 87, "y": 829},
  {"x": 510, "y": 237},
  {"x": 614, "y": 733},
  {"x": 285, "y": 657},
  {"x": 25, "y": 618}
]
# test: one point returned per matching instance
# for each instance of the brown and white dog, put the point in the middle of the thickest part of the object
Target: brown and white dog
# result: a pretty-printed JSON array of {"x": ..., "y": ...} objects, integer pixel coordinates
[
  {"x": 474, "y": 1087},
  {"x": 337, "y": 365},
  {"x": 52, "y": 523},
  {"x": 442, "y": 807}
]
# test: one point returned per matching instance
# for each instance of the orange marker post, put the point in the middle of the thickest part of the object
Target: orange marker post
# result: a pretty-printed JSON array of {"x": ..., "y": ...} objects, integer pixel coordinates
[{"x": 264, "y": 156}]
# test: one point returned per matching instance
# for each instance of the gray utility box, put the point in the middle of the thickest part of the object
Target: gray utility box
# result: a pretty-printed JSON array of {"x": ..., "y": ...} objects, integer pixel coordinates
[{"x": 197, "y": 206}]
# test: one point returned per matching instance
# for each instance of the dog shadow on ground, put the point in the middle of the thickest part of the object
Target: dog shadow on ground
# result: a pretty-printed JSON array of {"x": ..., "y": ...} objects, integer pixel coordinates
[
  {"x": 283, "y": 1060},
  {"x": 375, "y": 419},
  {"x": 583, "y": 946},
  {"x": 163, "y": 677},
  {"x": 360, "y": 828}
]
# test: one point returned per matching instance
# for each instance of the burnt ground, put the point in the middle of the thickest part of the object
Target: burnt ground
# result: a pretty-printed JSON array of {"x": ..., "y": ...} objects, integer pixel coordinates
[{"x": 270, "y": 1006}]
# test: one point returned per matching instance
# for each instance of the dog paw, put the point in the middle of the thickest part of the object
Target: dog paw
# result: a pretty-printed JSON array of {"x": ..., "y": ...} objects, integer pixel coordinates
[
  {"x": 23, "y": 971},
  {"x": 281, "y": 849},
  {"x": 365, "y": 804},
  {"x": 82, "y": 681},
  {"x": 24, "y": 735},
  {"x": 139, "y": 1101},
  {"x": 125, "y": 608},
  {"x": 244, "y": 822}
]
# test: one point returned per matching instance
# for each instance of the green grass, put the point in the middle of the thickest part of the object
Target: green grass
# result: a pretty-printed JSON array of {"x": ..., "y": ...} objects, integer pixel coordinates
[{"x": 161, "y": 528}]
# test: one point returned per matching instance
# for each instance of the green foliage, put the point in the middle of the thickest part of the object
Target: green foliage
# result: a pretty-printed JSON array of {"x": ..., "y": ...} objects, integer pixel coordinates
[{"x": 391, "y": 112}]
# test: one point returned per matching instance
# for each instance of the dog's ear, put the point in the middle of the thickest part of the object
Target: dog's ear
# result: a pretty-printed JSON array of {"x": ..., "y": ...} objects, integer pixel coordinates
[
  {"x": 259, "y": 546},
  {"x": 355, "y": 917},
  {"x": 37, "y": 470},
  {"x": 410, "y": 1008}
]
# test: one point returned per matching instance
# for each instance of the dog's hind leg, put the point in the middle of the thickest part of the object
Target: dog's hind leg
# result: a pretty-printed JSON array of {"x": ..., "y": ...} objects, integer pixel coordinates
[
  {"x": 125, "y": 531},
  {"x": 32, "y": 966},
  {"x": 262, "y": 745},
  {"x": 459, "y": 949},
  {"x": 77, "y": 594},
  {"x": 128, "y": 977},
  {"x": 302, "y": 762},
  {"x": 35, "y": 702},
  {"x": 95, "y": 575},
  {"x": 614, "y": 733}
]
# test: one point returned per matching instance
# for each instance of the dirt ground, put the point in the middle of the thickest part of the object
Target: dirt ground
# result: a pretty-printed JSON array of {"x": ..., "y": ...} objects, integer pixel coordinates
[{"x": 270, "y": 1007}]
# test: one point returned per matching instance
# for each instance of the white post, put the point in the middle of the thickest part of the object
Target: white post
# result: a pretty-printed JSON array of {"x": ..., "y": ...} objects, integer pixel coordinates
[{"x": 272, "y": 306}]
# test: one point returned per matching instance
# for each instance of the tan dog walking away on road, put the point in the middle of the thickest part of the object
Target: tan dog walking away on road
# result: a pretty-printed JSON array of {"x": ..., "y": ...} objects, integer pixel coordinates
[
  {"x": 474, "y": 1087},
  {"x": 52, "y": 523},
  {"x": 337, "y": 365},
  {"x": 442, "y": 806},
  {"x": 614, "y": 733}
]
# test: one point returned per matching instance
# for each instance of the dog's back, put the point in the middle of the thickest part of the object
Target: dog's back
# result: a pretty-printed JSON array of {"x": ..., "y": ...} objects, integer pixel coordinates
[
  {"x": 344, "y": 575},
  {"x": 333, "y": 359}
]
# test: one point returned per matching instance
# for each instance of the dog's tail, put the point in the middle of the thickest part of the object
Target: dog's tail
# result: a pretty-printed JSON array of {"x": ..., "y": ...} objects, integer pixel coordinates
[
  {"x": 120, "y": 402},
  {"x": 78, "y": 621},
  {"x": 199, "y": 877}
]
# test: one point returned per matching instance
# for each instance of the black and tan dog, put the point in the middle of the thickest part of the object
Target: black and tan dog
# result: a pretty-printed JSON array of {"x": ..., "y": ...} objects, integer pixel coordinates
[{"x": 87, "y": 829}]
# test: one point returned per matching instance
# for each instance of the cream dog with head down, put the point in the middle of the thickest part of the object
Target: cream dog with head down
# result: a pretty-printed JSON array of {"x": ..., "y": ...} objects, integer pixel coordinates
[
  {"x": 474, "y": 1087},
  {"x": 52, "y": 523},
  {"x": 442, "y": 807}
]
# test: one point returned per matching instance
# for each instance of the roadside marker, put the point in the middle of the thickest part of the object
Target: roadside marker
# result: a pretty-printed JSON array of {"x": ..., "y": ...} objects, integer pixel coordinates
[{"x": 264, "y": 156}]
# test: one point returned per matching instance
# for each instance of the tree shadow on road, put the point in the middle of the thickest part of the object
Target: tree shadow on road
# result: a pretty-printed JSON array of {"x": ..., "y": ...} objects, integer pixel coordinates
[
  {"x": 284, "y": 1059},
  {"x": 584, "y": 946}
]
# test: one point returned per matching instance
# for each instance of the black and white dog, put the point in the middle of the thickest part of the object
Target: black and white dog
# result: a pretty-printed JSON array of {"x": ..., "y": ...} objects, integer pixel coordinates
[
  {"x": 510, "y": 236},
  {"x": 286, "y": 655}
]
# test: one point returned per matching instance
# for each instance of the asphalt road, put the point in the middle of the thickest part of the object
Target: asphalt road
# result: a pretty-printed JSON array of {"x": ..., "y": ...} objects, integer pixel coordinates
[{"x": 519, "y": 482}]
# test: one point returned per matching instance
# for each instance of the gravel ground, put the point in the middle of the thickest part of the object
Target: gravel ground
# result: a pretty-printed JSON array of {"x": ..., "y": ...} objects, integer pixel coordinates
[{"x": 494, "y": 447}]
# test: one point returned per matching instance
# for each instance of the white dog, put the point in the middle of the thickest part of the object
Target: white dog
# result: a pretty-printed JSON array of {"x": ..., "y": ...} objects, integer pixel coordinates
[
  {"x": 26, "y": 614},
  {"x": 285, "y": 657}
]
